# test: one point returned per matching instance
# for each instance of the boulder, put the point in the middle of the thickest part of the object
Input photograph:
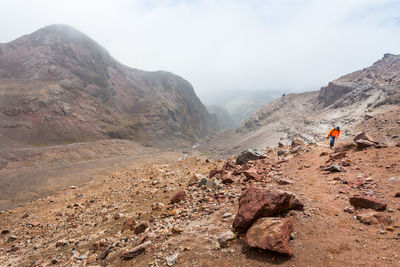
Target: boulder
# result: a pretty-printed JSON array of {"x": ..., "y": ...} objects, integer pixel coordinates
[
  {"x": 249, "y": 154},
  {"x": 180, "y": 196},
  {"x": 367, "y": 203},
  {"x": 271, "y": 234},
  {"x": 363, "y": 136},
  {"x": 256, "y": 202},
  {"x": 374, "y": 217},
  {"x": 363, "y": 140}
]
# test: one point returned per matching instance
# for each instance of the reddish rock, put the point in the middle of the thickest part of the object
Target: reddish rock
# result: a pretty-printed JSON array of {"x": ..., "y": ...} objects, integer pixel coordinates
[
  {"x": 363, "y": 136},
  {"x": 228, "y": 178},
  {"x": 252, "y": 174},
  {"x": 193, "y": 180},
  {"x": 357, "y": 183},
  {"x": 135, "y": 251},
  {"x": 271, "y": 234},
  {"x": 180, "y": 196},
  {"x": 141, "y": 228},
  {"x": 257, "y": 202},
  {"x": 283, "y": 182},
  {"x": 338, "y": 155},
  {"x": 374, "y": 217},
  {"x": 214, "y": 172},
  {"x": 367, "y": 203},
  {"x": 229, "y": 166},
  {"x": 128, "y": 225}
]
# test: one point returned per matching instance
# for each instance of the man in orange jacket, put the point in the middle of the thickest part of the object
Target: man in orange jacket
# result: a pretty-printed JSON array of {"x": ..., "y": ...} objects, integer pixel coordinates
[{"x": 333, "y": 134}]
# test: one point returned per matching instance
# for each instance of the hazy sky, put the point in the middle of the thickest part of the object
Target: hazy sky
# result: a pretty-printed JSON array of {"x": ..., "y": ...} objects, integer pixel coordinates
[{"x": 221, "y": 45}]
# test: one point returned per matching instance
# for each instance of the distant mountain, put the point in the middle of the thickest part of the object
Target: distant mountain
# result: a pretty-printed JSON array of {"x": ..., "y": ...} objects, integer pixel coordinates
[
  {"x": 347, "y": 101},
  {"x": 223, "y": 119},
  {"x": 244, "y": 104},
  {"x": 57, "y": 85}
]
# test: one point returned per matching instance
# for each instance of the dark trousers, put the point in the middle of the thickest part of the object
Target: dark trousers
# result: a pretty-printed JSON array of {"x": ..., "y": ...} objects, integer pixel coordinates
[{"x": 332, "y": 141}]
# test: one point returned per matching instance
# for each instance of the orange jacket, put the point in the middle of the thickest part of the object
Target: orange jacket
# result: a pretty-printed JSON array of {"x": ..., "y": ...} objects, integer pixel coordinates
[{"x": 334, "y": 133}]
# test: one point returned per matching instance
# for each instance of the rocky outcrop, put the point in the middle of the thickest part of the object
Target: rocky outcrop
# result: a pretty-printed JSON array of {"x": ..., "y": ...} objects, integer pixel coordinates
[
  {"x": 59, "y": 85},
  {"x": 329, "y": 94}
]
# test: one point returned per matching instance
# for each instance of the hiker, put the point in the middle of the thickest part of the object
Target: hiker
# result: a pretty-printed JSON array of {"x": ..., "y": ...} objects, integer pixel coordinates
[{"x": 333, "y": 134}]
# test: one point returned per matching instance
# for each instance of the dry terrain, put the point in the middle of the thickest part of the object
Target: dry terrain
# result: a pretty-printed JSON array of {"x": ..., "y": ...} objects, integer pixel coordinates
[{"x": 83, "y": 226}]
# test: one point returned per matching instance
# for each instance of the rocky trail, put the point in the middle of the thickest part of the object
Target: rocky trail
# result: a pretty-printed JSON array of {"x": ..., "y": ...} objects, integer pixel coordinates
[{"x": 195, "y": 212}]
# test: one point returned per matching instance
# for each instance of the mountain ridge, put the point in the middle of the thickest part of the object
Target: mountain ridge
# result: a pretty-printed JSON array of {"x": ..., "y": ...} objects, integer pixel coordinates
[{"x": 61, "y": 77}]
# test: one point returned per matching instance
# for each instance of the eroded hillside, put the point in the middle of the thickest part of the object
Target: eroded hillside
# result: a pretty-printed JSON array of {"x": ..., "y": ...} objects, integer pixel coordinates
[
  {"x": 59, "y": 86},
  {"x": 348, "y": 101}
]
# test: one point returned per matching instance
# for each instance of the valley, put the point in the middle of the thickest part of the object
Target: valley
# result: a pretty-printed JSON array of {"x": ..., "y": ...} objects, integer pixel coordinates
[{"x": 106, "y": 165}]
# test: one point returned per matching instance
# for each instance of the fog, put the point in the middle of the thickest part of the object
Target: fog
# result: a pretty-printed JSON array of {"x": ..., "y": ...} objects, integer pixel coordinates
[{"x": 226, "y": 46}]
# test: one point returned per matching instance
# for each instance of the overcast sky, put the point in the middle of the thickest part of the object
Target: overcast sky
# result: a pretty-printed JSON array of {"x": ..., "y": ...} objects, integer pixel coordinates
[{"x": 220, "y": 45}]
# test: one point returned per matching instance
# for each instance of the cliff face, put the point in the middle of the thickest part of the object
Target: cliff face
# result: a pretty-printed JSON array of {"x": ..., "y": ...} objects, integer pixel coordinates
[
  {"x": 58, "y": 85},
  {"x": 378, "y": 84}
]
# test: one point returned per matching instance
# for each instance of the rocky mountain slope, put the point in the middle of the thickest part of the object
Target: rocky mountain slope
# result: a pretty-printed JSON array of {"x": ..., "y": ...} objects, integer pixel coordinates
[
  {"x": 347, "y": 101},
  {"x": 196, "y": 211},
  {"x": 57, "y": 85}
]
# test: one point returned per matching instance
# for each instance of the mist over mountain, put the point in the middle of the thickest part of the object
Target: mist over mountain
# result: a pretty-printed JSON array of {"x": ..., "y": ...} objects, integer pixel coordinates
[{"x": 241, "y": 104}]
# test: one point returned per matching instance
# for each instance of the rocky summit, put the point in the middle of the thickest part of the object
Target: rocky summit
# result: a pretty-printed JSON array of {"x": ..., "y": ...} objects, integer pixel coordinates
[{"x": 57, "y": 85}]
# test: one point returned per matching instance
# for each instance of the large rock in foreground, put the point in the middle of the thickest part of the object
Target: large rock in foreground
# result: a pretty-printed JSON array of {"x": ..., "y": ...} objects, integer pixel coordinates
[
  {"x": 367, "y": 203},
  {"x": 257, "y": 202},
  {"x": 271, "y": 234}
]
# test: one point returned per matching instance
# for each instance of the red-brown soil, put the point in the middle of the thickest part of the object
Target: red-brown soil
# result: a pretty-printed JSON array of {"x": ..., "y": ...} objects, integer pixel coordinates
[{"x": 324, "y": 234}]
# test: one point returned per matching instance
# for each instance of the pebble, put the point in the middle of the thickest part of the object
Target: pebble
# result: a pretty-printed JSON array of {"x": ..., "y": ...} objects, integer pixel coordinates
[
  {"x": 11, "y": 239},
  {"x": 226, "y": 215},
  {"x": 390, "y": 210},
  {"x": 382, "y": 232},
  {"x": 73, "y": 187},
  {"x": 171, "y": 260},
  {"x": 225, "y": 238},
  {"x": 5, "y": 231}
]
